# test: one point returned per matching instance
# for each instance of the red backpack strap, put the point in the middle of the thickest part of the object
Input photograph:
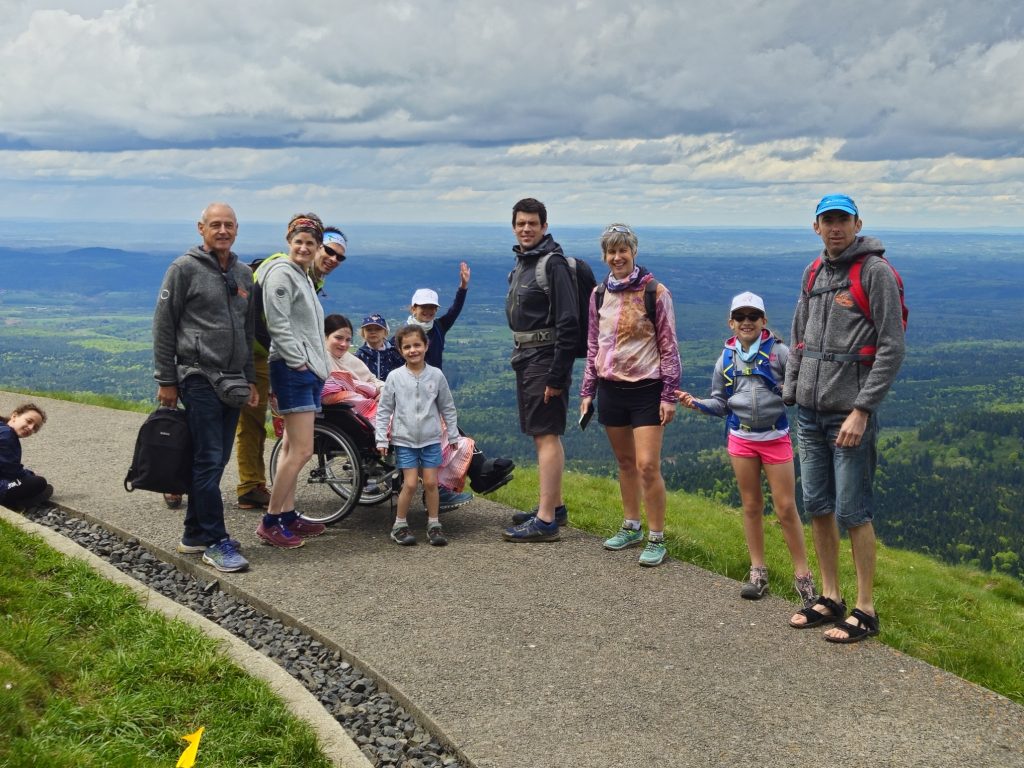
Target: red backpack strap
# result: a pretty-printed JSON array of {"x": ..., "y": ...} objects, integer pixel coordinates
[
  {"x": 813, "y": 275},
  {"x": 860, "y": 296}
]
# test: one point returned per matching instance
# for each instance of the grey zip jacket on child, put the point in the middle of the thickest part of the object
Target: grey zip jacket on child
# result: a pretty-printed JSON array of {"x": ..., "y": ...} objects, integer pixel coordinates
[
  {"x": 831, "y": 322},
  {"x": 417, "y": 403},
  {"x": 753, "y": 402}
]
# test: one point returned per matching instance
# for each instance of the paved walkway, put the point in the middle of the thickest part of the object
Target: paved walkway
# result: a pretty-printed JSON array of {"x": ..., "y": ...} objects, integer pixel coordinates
[{"x": 563, "y": 654}]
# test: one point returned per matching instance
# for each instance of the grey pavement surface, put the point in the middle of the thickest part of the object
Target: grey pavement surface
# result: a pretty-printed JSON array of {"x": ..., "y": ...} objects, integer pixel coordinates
[{"x": 561, "y": 654}]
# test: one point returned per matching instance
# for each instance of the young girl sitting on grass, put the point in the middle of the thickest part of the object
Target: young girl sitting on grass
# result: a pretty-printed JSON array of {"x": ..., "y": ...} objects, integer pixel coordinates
[
  {"x": 746, "y": 389},
  {"x": 20, "y": 487},
  {"x": 415, "y": 400}
]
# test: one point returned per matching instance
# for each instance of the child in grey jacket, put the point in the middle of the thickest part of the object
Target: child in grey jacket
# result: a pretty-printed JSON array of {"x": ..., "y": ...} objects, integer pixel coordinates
[
  {"x": 746, "y": 389},
  {"x": 417, "y": 405}
]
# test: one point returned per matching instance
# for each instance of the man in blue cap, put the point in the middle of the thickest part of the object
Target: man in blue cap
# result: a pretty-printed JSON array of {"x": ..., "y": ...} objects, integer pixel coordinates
[{"x": 848, "y": 345}]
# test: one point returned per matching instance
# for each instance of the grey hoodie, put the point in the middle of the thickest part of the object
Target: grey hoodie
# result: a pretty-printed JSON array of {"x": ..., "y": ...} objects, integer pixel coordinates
[
  {"x": 199, "y": 325},
  {"x": 417, "y": 403},
  {"x": 295, "y": 317},
  {"x": 831, "y": 322}
]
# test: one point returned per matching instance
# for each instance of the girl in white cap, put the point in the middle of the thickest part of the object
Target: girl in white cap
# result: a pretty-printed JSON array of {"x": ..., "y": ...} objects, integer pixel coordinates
[{"x": 746, "y": 389}]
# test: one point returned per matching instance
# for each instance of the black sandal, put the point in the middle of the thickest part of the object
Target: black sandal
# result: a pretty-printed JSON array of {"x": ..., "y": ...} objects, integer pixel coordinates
[
  {"x": 866, "y": 626},
  {"x": 837, "y": 612}
]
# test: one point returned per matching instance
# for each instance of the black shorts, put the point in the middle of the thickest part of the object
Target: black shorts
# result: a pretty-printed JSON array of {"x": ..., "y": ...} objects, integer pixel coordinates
[
  {"x": 629, "y": 403},
  {"x": 535, "y": 416}
]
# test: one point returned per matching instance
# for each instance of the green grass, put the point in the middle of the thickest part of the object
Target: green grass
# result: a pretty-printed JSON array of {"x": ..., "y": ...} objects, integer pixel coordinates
[
  {"x": 960, "y": 619},
  {"x": 90, "y": 678}
]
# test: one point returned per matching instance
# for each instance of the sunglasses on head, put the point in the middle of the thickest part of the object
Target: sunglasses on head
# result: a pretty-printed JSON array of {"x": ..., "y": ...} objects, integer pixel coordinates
[
  {"x": 620, "y": 229},
  {"x": 752, "y": 317},
  {"x": 331, "y": 252}
]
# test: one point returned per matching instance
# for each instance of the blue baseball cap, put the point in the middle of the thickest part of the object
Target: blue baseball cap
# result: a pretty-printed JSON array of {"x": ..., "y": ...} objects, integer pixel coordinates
[
  {"x": 836, "y": 203},
  {"x": 376, "y": 319}
]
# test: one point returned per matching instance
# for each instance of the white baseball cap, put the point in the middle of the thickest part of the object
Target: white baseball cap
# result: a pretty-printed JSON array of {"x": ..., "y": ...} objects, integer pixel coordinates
[
  {"x": 747, "y": 299},
  {"x": 425, "y": 296}
]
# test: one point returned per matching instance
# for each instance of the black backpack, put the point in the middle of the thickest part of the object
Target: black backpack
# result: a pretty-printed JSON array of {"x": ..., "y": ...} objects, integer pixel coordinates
[
  {"x": 583, "y": 279},
  {"x": 163, "y": 454},
  {"x": 650, "y": 300}
]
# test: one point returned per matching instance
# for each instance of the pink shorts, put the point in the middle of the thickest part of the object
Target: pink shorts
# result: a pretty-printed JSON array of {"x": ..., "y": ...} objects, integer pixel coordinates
[{"x": 777, "y": 451}]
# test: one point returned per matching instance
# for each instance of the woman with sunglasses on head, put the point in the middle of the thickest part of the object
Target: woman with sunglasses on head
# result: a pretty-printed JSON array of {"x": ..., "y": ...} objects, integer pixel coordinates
[
  {"x": 746, "y": 389},
  {"x": 633, "y": 370},
  {"x": 298, "y": 369}
]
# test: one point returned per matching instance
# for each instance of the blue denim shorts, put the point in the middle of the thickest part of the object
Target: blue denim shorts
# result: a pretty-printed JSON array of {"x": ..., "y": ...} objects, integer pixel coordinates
[
  {"x": 413, "y": 458},
  {"x": 835, "y": 479},
  {"x": 297, "y": 391}
]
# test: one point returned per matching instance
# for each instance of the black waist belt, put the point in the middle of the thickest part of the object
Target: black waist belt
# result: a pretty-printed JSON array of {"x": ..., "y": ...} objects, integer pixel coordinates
[{"x": 838, "y": 357}]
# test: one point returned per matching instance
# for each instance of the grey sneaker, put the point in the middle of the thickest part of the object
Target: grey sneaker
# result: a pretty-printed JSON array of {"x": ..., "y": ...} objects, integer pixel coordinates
[
  {"x": 624, "y": 538},
  {"x": 402, "y": 536},
  {"x": 653, "y": 554},
  {"x": 756, "y": 586},
  {"x": 435, "y": 535}
]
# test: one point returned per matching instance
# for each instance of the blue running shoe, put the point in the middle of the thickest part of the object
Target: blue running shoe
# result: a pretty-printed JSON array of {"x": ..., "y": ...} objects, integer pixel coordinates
[
  {"x": 561, "y": 516},
  {"x": 224, "y": 556},
  {"x": 450, "y": 499},
  {"x": 533, "y": 529}
]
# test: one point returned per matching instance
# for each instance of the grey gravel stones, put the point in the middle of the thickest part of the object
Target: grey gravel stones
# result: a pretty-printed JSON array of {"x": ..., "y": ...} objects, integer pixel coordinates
[{"x": 380, "y": 727}]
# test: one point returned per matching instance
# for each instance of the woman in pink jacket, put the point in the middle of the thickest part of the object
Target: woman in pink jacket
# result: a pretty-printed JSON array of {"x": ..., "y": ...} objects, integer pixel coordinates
[{"x": 633, "y": 370}]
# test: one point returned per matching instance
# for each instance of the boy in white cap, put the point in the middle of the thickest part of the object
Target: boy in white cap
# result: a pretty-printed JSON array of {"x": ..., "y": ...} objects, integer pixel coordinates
[{"x": 423, "y": 312}]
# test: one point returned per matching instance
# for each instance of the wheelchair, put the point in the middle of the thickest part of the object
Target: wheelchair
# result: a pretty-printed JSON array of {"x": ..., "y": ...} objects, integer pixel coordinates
[{"x": 346, "y": 469}]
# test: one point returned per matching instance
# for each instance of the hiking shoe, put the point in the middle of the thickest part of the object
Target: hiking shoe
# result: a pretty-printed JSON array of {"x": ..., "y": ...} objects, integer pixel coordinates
[
  {"x": 757, "y": 584},
  {"x": 450, "y": 499},
  {"x": 561, "y": 516},
  {"x": 278, "y": 536},
  {"x": 403, "y": 536},
  {"x": 435, "y": 535},
  {"x": 532, "y": 529},
  {"x": 257, "y": 498},
  {"x": 224, "y": 556},
  {"x": 304, "y": 528},
  {"x": 805, "y": 588},
  {"x": 653, "y": 554},
  {"x": 623, "y": 538}
]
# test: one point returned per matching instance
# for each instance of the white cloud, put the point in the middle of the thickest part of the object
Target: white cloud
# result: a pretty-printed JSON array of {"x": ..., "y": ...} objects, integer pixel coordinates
[{"x": 400, "y": 108}]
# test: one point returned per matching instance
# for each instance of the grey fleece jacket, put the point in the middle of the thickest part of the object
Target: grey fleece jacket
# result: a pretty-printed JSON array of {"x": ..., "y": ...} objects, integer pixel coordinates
[
  {"x": 295, "y": 317},
  {"x": 200, "y": 325},
  {"x": 417, "y": 404},
  {"x": 831, "y": 322}
]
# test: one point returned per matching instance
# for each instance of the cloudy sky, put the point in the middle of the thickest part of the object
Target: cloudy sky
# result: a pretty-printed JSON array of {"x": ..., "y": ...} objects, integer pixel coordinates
[{"x": 675, "y": 112}]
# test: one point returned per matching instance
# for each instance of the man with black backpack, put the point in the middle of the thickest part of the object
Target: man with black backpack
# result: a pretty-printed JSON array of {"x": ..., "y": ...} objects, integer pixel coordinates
[
  {"x": 543, "y": 312},
  {"x": 251, "y": 434},
  {"x": 203, "y": 328},
  {"x": 848, "y": 345}
]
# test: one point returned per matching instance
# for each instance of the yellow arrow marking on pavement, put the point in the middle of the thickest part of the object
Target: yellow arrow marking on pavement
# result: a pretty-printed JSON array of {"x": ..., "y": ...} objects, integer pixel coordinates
[{"x": 188, "y": 757}]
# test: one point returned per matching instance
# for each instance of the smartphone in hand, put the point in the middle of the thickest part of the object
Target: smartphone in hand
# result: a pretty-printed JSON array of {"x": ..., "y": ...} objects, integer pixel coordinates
[{"x": 587, "y": 416}]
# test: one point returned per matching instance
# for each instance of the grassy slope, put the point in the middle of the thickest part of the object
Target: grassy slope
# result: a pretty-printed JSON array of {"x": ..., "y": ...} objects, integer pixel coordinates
[
  {"x": 90, "y": 678},
  {"x": 960, "y": 619}
]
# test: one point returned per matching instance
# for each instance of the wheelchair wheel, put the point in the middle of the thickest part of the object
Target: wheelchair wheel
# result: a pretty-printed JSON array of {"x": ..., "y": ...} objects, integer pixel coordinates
[{"x": 329, "y": 486}]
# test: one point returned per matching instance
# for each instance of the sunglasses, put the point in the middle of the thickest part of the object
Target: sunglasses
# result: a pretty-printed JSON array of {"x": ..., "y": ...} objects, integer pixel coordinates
[
  {"x": 620, "y": 229},
  {"x": 752, "y": 317},
  {"x": 331, "y": 252}
]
